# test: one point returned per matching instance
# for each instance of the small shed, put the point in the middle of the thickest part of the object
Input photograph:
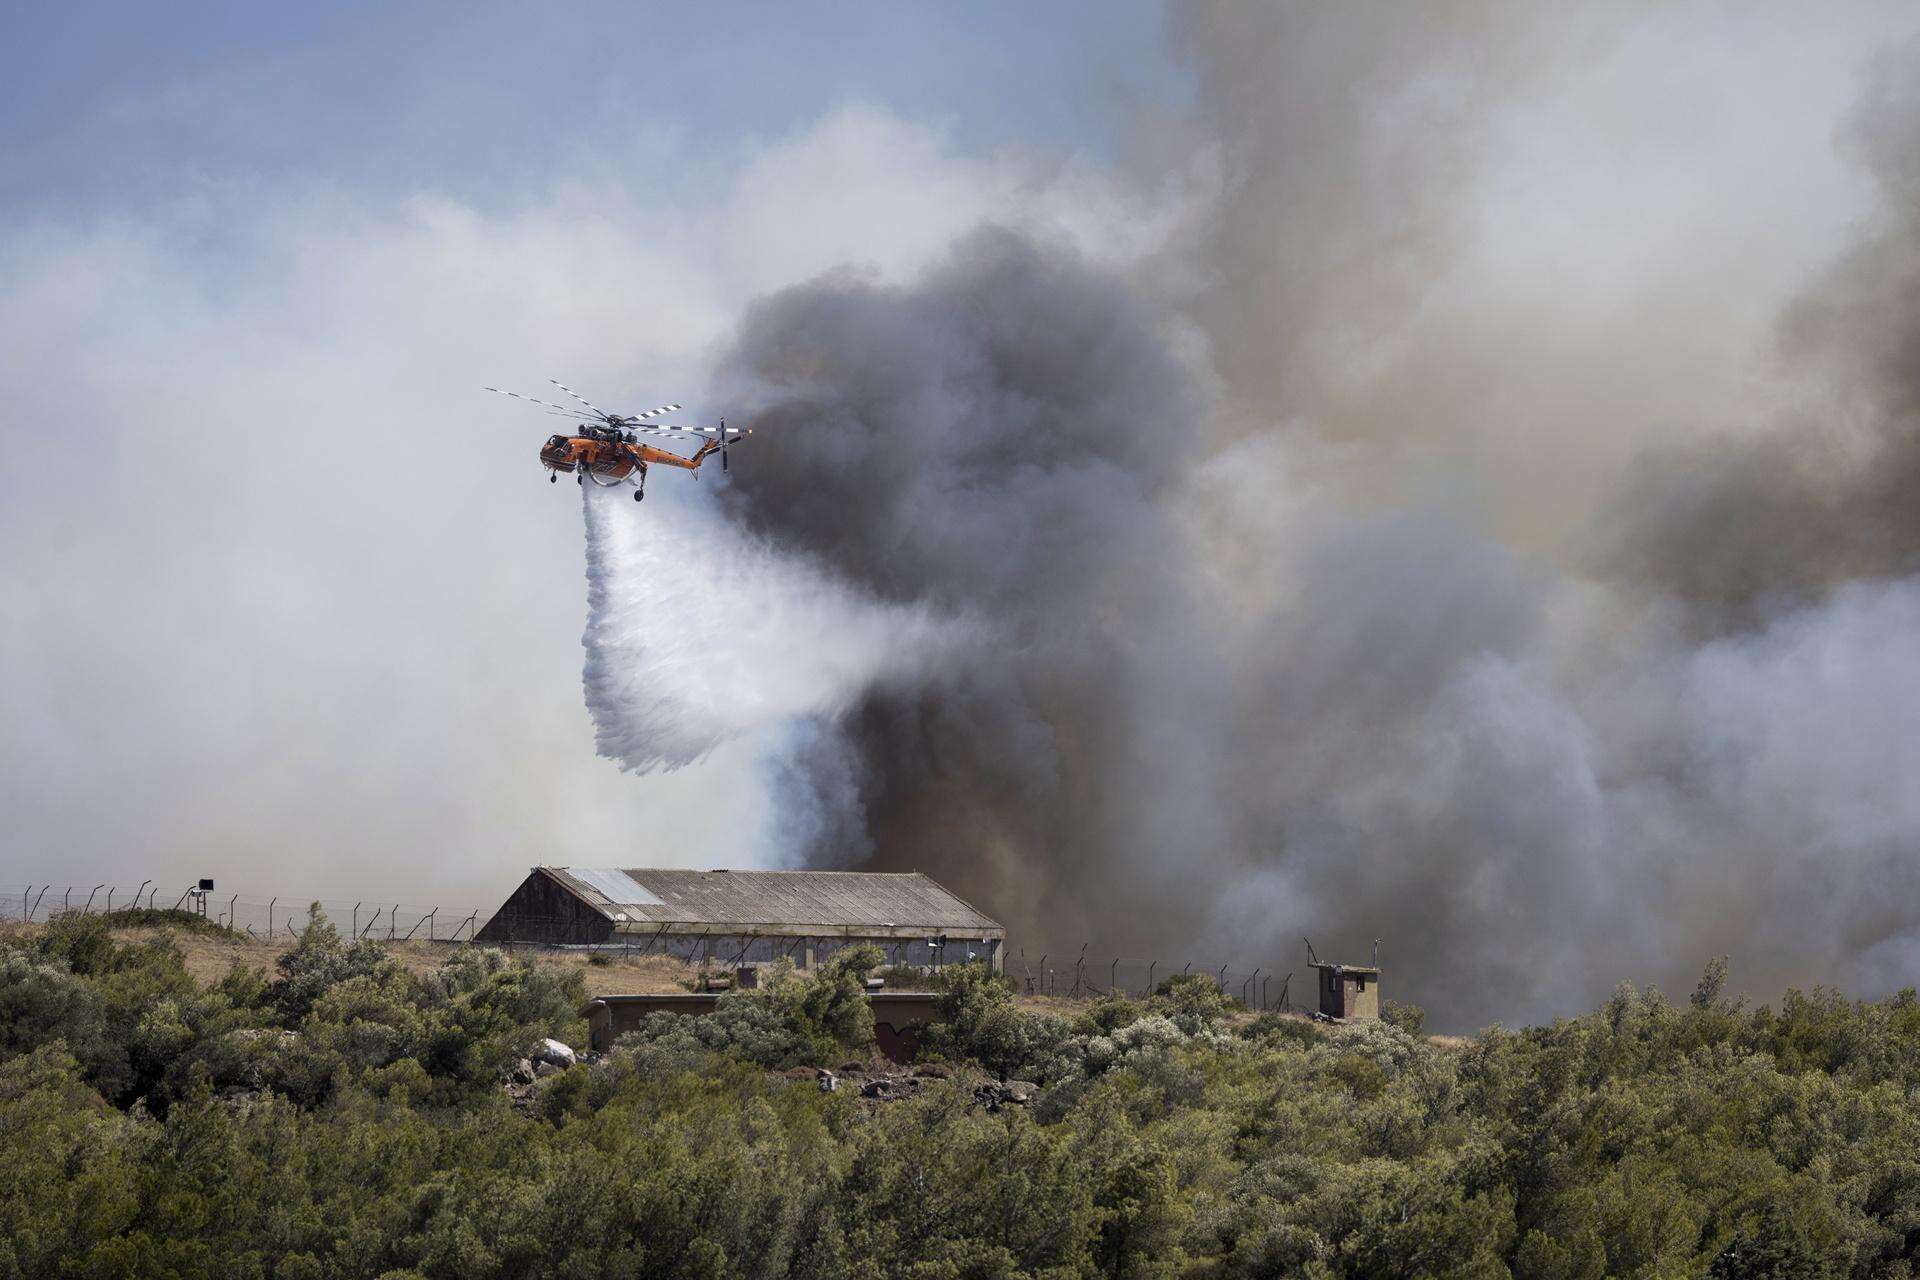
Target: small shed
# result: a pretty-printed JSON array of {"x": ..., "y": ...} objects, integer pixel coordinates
[
  {"x": 1349, "y": 992},
  {"x": 743, "y": 917}
]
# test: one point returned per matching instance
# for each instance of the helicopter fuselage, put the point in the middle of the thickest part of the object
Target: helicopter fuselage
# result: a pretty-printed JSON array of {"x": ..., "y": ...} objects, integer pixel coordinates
[{"x": 610, "y": 458}]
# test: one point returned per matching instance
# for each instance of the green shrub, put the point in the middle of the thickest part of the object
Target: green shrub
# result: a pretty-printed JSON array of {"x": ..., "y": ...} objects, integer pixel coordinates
[
  {"x": 320, "y": 961},
  {"x": 977, "y": 1021},
  {"x": 1281, "y": 1028},
  {"x": 1410, "y": 1018},
  {"x": 1191, "y": 1001},
  {"x": 787, "y": 1020}
]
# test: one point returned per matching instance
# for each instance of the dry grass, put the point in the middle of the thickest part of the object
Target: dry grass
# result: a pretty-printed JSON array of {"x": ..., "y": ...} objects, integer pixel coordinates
[{"x": 208, "y": 958}]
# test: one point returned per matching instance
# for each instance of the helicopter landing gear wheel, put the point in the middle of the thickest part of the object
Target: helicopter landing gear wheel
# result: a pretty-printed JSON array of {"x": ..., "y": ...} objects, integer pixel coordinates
[
  {"x": 553, "y": 478},
  {"x": 638, "y": 494},
  {"x": 581, "y": 478}
]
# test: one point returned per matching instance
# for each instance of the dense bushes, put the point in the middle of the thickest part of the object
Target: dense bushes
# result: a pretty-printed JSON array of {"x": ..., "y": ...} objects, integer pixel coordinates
[
  {"x": 342, "y": 1118},
  {"x": 783, "y": 1022}
]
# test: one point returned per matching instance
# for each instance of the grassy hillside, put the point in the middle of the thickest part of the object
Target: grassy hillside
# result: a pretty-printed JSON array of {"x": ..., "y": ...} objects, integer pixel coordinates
[{"x": 333, "y": 1109}]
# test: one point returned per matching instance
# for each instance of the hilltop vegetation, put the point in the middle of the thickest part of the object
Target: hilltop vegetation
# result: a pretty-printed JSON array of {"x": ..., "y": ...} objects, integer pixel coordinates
[{"x": 342, "y": 1116}]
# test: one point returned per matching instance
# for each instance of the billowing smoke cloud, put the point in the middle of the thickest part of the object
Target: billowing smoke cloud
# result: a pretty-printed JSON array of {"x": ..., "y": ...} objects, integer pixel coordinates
[
  {"x": 1236, "y": 672},
  {"x": 1826, "y": 496}
]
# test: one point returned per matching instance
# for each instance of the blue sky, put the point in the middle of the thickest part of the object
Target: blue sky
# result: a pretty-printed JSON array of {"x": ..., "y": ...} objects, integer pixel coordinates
[{"x": 112, "y": 104}]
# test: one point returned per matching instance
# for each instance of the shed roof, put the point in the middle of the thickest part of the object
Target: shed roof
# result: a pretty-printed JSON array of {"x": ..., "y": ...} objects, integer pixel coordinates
[{"x": 888, "y": 904}]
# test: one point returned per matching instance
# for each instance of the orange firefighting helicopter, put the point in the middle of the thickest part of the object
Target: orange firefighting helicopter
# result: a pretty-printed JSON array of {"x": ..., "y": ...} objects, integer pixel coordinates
[{"x": 607, "y": 448}]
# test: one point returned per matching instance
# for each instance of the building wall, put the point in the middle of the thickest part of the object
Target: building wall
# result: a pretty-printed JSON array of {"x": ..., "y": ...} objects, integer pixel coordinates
[
  {"x": 732, "y": 949},
  {"x": 1347, "y": 995},
  {"x": 541, "y": 911}
]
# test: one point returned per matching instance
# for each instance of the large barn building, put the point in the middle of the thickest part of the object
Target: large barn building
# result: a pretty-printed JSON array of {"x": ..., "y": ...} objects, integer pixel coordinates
[{"x": 739, "y": 917}]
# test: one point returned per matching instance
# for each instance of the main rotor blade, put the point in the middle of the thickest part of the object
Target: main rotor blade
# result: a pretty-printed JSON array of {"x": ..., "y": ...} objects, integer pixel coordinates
[
  {"x": 665, "y": 408},
  {"x": 582, "y": 399},
  {"x": 530, "y": 400}
]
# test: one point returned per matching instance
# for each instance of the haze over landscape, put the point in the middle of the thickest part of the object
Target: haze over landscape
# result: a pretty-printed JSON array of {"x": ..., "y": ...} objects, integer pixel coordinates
[{"x": 1219, "y": 474}]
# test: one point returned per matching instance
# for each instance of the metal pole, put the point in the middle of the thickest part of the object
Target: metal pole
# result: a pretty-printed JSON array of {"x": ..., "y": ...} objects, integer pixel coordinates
[
  {"x": 151, "y": 895},
  {"x": 1113, "y": 977},
  {"x": 27, "y": 893},
  {"x": 233, "y": 917},
  {"x": 270, "y": 902},
  {"x": 97, "y": 888},
  {"x": 1263, "y": 990},
  {"x": 356, "y": 919},
  {"x": 392, "y": 917},
  {"x": 36, "y": 902},
  {"x": 109, "y": 910},
  {"x": 1043, "y": 971},
  {"x": 182, "y": 898},
  {"x": 66, "y": 900},
  {"x": 1284, "y": 1002},
  {"x": 1249, "y": 982},
  {"x": 426, "y": 920},
  {"x": 137, "y": 892},
  {"x": 1150, "y": 969},
  {"x": 1223, "y": 979}
]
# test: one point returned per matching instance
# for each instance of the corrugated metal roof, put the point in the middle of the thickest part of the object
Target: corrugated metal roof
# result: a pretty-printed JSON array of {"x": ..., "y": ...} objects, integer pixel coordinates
[{"x": 830, "y": 900}]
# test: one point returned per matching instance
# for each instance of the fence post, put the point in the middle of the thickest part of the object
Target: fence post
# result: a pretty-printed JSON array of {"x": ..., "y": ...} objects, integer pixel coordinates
[
  {"x": 1150, "y": 969},
  {"x": 1113, "y": 977},
  {"x": 28, "y": 893},
  {"x": 182, "y": 898},
  {"x": 89, "y": 907},
  {"x": 270, "y": 902},
  {"x": 1263, "y": 990},
  {"x": 66, "y": 900},
  {"x": 109, "y": 910},
  {"x": 151, "y": 895},
  {"x": 1285, "y": 1004},
  {"x": 1249, "y": 982},
  {"x": 233, "y": 917},
  {"x": 137, "y": 892},
  {"x": 1222, "y": 980},
  {"x": 1079, "y": 970},
  {"x": 393, "y": 918},
  {"x": 356, "y": 919}
]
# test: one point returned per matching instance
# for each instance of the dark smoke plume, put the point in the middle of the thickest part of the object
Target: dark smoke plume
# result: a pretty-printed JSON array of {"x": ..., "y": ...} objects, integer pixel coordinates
[{"x": 1221, "y": 686}]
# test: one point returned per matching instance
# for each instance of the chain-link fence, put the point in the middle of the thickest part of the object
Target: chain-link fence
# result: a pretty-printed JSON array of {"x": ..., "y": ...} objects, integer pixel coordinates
[
  {"x": 1078, "y": 974},
  {"x": 274, "y": 917}
]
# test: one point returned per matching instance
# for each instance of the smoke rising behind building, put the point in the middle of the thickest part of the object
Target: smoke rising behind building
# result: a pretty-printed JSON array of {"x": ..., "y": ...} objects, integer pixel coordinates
[{"x": 1268, "y": 638}]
